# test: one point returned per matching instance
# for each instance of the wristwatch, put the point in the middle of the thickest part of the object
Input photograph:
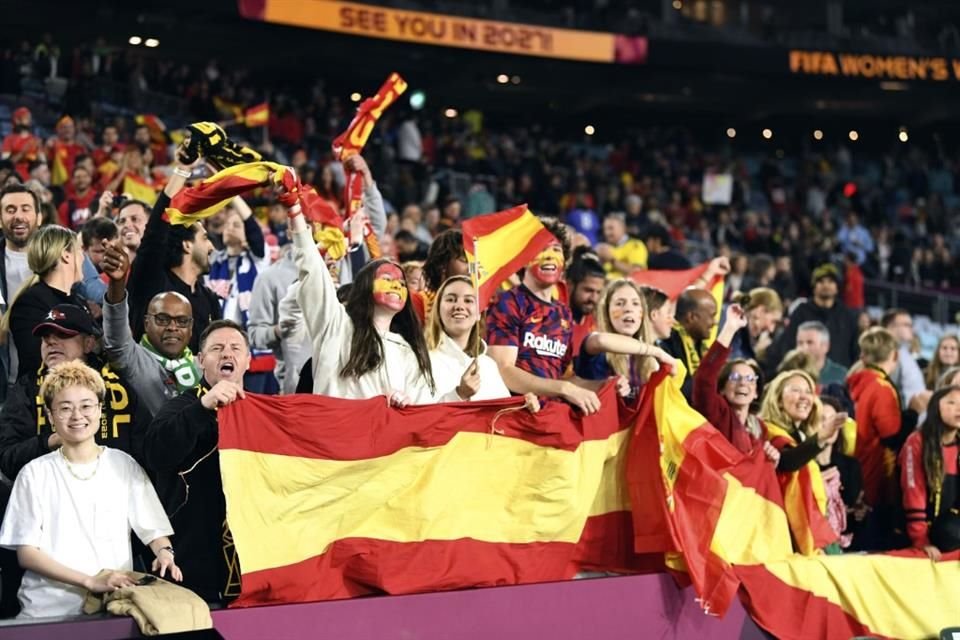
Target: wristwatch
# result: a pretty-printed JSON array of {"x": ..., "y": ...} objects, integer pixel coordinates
[{"x": 167, "y": 548}]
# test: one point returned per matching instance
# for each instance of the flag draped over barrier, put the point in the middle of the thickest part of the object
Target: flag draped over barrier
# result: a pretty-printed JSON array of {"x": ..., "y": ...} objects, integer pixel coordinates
[{"x": 330, "y": 498}]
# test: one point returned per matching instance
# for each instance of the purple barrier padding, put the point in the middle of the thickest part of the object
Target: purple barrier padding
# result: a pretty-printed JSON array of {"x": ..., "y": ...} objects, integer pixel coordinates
[{"x": 633, "y": 607}]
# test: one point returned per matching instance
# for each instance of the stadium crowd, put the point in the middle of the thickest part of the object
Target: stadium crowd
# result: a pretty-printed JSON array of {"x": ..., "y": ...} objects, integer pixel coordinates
[{"x": 125, "y": 333}]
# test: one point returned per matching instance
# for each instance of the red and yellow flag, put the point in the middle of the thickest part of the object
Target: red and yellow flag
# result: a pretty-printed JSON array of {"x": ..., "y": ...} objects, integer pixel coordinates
[
  {"x": 156, "y": 127},
  {"x": 138, "y": 189},
  {"x": 500, "y": 244},
  {"x": 213, "y": 193},
  {"x": 59, "y": 172},
  {"x": 427, "y": 498},
  {"x": 257, "y": 115},
  {"x": 352, "y": 141},
  {"x": 694, "y": 493}
]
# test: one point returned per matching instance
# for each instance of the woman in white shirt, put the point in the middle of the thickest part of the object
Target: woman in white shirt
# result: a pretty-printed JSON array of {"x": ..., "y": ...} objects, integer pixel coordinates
[
  {"x": 371, "y": 345},
  {"x": 455, "y": 350},
  {"x": 71, "y": 510}
]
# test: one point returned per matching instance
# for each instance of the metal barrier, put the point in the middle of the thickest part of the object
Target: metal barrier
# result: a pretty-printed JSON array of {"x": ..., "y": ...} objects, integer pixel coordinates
[{"x": 940, "y": 307}]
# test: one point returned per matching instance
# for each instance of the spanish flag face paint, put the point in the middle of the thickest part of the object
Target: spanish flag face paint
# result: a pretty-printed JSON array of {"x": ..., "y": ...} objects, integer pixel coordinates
[
  {"x": 389, "y": 288},
  {"x": 547, "y": 267}
]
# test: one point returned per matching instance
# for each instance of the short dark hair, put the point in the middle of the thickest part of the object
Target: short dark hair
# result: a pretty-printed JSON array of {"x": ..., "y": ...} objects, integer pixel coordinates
[
  {"x": 129, "y": 202},
  {"x": 447, "y": 246},
  {"x": 404, "y": 236},
  {"x": 657, "y": 231},
  {"x": 19, "y": 188},
  {"x": 559, "y": 231},
  {"x": 891, "y": 314},
  {"x": 98, "y": 229},
  {"x": 222, "y": 324},
  {"x": 583, "y": 266}
]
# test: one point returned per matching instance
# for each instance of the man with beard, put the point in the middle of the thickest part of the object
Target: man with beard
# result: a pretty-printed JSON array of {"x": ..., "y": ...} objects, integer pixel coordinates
[
  {"x": 160, "y": 366},
  {"x": 173, "y": 258},
  {"x": 180, "y": 451},
  {"x": 530, "y": 334},
  {"x": 19, "y": 219},
  {"x": 585, "y": 281},
  {"x": 825, "y": 307},
  {"x": 77, "y": 208}
]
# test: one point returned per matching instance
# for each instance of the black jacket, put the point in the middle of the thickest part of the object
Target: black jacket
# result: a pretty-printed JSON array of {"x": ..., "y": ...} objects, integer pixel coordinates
[
  {"x": 28, "y": 311},
  {"x": 24, "y": 428},
  {"x": 149, "y": 276},
  {"x": 182, "y": 439},
  {"x": 839, "y": 320}
]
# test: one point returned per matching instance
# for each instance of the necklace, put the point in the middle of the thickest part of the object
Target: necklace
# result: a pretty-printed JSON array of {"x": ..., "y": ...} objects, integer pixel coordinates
[{"x": 74, "y": 473}]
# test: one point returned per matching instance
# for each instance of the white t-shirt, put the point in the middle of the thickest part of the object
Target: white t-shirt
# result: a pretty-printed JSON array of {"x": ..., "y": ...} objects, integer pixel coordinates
[
  {"x": 82, "y": 524},
  {"x": 18, "y": 272}
]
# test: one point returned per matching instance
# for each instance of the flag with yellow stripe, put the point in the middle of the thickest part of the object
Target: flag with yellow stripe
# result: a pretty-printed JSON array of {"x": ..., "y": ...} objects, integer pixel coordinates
[
  {"x": 500, "y": 244},
  {"x": 137, "y": 188},
  {"x": 426, "y": 498},
  {"x": 212, "y": 194}
]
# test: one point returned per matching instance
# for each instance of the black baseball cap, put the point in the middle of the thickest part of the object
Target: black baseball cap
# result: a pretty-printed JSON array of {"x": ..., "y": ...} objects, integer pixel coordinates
[{"x": 68, "y": 319}]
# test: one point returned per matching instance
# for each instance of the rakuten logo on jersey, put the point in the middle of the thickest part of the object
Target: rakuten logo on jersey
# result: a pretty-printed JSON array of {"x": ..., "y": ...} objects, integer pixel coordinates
[{"x": 544, "y": 346}]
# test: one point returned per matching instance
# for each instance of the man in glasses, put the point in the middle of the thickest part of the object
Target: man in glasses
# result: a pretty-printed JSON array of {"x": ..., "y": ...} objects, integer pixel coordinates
[{"x": 160, "y": 366}]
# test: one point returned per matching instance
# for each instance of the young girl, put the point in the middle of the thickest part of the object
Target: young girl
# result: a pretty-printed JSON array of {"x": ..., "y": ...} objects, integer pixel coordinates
[
  {"x": 455, "y": 347},
  {"x": 370, "y": 346},
  {"x": 841, "y": 478},
  {"x": 928, "y": 477},
  {"x": 71, "y": 511},
  {"x": 623, "y": 347}
]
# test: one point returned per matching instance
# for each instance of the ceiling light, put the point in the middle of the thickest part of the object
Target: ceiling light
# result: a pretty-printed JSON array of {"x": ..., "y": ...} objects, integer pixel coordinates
[
  {"x": 903, "y": 135},
  {"x": 152, "y": 42},
  {"x": 817, "y": 134},
  {"x": 767, "y": 134},
  {"x": 731, "y": 132},
  {"x": 135, "y": 40},
  {"x": 589, "y": 130},
  {"x": 355, "y": 97},
  {"x": 503, "y": 78},
  {"x": 450, "y": 112},
  {"x": 853, "y": 135}
]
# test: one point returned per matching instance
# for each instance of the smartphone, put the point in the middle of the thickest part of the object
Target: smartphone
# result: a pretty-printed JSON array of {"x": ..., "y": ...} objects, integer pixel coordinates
[{"x": 145, "y": 580}]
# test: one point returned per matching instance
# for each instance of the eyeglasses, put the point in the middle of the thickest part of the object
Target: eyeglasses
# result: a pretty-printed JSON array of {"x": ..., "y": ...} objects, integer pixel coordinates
[
  {"x": 163, "y": 320},
  {"x": 65, "y": 412},
  {"x": 743, "y": 377}
]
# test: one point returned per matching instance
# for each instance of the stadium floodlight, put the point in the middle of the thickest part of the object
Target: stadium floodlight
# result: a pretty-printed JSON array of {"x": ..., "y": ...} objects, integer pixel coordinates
[
  {"x": 767, "y": 134},
  {"x": 355, "y": 97},
  {"x": 677, "y": 4},
  {"x": 817, "y": 134},
  {"x": 135, "y": 40},
  {"x": 503, "y": 78},
  {"x": 903, "y": 135},
  {"x": 152, "y": 43},
  {"x": 589, "y": 130},
  {"x": 853, "y": 135},
  {"x": 450, "y": 112},
  {"x": 731, "y": 132},
  {"x": 417, "y": 100}
]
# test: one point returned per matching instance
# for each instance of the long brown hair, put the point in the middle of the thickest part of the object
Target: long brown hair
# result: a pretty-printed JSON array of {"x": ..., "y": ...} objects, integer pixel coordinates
[
  {"x": 936, "y": 366},
  {"x": 621, "y": 363},
  {"x": 932, "y": 438},
  {"x": 366, "y": 346}
]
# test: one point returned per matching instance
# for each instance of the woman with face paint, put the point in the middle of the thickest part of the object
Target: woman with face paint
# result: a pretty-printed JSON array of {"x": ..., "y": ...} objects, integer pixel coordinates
[
  {"x": 623, "y": 348},
  {"x": 371, "y": 345}
]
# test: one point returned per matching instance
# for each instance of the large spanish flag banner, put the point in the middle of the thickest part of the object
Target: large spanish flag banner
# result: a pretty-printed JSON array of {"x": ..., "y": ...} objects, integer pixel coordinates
[
  {"x": 500, "y": 244},
  {"x": 138, "y": 189},
  {"x": 331, "y": 498}
]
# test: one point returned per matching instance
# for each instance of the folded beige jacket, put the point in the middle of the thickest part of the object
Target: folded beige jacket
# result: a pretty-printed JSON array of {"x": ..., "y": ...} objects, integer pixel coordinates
[{"x": 158, "y": 607}]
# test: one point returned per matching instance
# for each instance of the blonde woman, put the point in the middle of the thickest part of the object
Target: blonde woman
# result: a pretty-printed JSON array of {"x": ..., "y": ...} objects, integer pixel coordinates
[
  {"x": 764, "y": 311},
  {"x": 453, "y": 343},
  {"x": 71, "y": 511},
  {"x": 791, "y": 411},
  {"x": 55, "y": 257},
  {"x": 624, "y": 345},
  {"x": 946, "y": 355}
]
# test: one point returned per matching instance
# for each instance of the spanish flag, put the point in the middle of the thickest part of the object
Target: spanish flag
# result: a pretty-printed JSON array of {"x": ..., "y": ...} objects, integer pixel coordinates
[
  {"x": 673, "y": 283},
  {"x": 352, "y": 141},
  {"x": 427, "y": 498},
  {"x": 213, "y": 193},
  {"x": 500, "y": 244},
  {"x": 138, "y": 189},
  {"x": 156, "y": 127},
  {"x": 804, "y": 498},
  {"x": 693, "y": 493},
  {"x": 892, "y": 595},
  {"x": 59, "y": 172},
  {"x": 257, "y": 115}
]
